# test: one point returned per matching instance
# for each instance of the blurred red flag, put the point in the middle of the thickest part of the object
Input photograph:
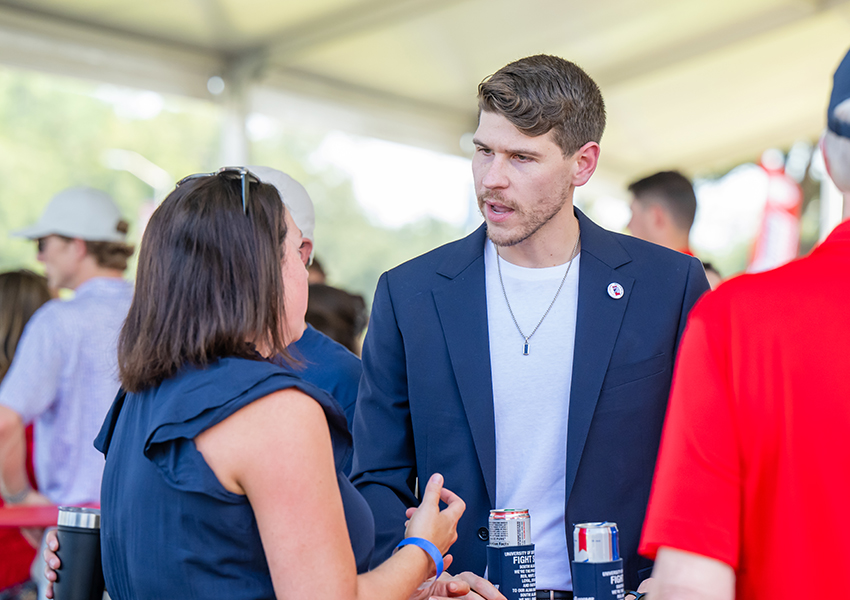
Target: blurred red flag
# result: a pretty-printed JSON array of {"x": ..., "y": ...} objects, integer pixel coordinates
[{"x": 778, "y": 240}]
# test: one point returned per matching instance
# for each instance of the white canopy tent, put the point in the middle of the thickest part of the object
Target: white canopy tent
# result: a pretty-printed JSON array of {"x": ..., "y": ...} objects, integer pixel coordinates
[{"x": 697, "y": 85}]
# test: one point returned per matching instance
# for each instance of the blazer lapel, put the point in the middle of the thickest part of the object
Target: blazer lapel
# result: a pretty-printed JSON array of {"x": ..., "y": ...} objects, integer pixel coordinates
[
  {"x": 598, "y": 321},
  {"x": 462, "y": 308}
]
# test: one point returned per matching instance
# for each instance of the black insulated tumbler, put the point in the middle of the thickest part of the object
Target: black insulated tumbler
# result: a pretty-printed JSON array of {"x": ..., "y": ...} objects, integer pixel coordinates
[{"x": 81, "y": 575}]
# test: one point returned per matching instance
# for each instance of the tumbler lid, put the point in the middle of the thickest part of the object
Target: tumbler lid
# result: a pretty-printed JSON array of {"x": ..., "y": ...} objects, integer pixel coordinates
[{"x": 77, "y": 516}]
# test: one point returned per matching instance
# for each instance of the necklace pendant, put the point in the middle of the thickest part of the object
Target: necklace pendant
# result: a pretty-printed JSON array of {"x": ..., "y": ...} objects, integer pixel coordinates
[{"x": 525, "y": 348}]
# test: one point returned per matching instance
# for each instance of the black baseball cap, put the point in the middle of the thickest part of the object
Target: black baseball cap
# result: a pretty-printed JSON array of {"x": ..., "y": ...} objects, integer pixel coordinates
[{"x": 840, "y": 93}]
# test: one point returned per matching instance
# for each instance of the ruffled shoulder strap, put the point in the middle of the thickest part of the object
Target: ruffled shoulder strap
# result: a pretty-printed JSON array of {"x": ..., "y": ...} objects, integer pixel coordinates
[
  {"x": 104, "y": 438},
  {"x": 199, "y": 398}
]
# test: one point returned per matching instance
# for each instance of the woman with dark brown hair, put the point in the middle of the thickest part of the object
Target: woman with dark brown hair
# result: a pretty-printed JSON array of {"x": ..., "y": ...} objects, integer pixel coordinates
[
  {"x": 223, "y": 470},
  {"x": 21, "y": 294}
]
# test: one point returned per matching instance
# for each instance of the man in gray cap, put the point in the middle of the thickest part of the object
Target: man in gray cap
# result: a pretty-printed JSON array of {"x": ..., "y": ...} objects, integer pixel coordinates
[
  {"x": 298, "y": 204},
  {"x": 64, "y": 374},
  {"x": 750, "y": 492},
  {"x": 326, "y": 363}
]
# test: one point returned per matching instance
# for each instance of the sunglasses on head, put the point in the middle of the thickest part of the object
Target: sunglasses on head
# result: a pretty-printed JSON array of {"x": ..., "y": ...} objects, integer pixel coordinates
[{"x": 230, "y": 173}]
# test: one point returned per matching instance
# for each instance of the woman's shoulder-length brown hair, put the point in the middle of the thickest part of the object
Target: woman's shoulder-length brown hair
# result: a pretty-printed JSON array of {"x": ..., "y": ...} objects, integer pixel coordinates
[
  {"x": 21, "y": 294},
  {"x": 208, "y": 283}
]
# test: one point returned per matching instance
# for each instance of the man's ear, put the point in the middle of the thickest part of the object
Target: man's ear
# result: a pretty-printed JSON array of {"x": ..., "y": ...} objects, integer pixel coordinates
[
  {"x": 586, "y": 157},
  {"x": 79, "y": 246},
  {"x": 658, "y": 216},
  {"x": 306, "y": 250}
]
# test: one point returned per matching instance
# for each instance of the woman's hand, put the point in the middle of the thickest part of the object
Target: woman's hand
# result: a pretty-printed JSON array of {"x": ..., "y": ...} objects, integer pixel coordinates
[
  {"x": 437, "y": 526},
  {"x": 51, "y": 560},
  {"x": 440, "y": 527},
  {"x": 466, "y": 586}
]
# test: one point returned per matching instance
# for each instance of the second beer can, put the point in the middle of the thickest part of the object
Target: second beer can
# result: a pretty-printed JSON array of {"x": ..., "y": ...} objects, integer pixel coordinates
[
  {"x": 596, "y": 542},
  {"x": 510, "y": 527}
]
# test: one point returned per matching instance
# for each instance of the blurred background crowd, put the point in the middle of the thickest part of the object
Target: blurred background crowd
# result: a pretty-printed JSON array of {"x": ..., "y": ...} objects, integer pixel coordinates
[
  {"x": 368, "y": 105},
  {"x": 715, "y": 111}
]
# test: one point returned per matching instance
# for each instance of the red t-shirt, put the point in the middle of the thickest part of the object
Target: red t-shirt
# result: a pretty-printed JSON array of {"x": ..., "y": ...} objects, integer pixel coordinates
[{"x": 754, "y": 466}]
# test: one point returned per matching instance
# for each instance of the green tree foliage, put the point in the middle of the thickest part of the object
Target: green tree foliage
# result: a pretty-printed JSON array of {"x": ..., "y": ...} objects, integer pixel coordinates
[
  {"x": 54, "y": 132},
  {"x": 354, "y": 250},
  {"x": 53, "y": 135}
]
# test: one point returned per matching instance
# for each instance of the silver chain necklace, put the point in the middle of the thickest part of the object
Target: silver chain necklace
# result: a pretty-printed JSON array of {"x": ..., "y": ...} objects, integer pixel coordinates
[{"x": 551, "y": 304}]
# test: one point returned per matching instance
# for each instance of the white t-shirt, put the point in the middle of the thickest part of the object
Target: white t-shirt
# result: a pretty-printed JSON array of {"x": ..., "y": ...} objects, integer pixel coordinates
[{"x": 531, "y": 397}]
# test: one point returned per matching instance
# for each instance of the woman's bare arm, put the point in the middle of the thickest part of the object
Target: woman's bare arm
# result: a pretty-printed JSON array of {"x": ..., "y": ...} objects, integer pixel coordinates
[{"x": 277, "y": 451}]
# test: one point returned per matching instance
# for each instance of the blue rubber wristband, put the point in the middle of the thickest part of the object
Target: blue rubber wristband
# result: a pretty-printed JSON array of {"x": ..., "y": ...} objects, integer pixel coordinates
[{"x": 428, "y": 547}]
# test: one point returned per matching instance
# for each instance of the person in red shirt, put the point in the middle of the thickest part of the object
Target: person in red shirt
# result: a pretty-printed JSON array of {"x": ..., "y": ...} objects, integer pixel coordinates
[{"x": 750, "y": 492}]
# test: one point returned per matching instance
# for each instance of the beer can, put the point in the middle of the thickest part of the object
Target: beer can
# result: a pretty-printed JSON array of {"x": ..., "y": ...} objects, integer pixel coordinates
[
  {"x": 510, "y": 527},
  {"x": 596, "y": 542}
]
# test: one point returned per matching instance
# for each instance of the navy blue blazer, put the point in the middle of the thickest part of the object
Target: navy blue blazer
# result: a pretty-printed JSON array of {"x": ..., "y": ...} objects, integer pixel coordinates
[{"x": 425, "y": 402}]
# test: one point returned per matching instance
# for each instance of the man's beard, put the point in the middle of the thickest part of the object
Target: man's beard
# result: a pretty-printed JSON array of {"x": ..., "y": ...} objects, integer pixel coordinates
[{"x": 530, "y": 223}]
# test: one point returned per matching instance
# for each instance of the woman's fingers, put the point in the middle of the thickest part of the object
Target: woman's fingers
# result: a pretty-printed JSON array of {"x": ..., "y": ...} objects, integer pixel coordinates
[
  {"x": 481, "y": 586},
  {"x": 447, "y": 562},
  {"x": 52, "y": 540},
  {"x": 433, "y": 491},
  {"x": 455, "y": 504}
]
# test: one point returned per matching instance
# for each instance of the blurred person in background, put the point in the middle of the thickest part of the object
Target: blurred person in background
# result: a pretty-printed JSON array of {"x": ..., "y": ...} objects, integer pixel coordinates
[
  {"x": 223, "y": 474},
  {"x": 316, "y": 272},
  {"x": 334, "y": 315},
  {"x": 21, "y": 294},
  {"x": 298, "y": 203},
  {"x": 663, "y": 209},
  {"x": 324, "y": 362},
  {"x": 338, "y": 314},
  {"x": 713, "y": 275},
  {"x": 750, "y": 493},
  {"x": 64, "y": 374}
]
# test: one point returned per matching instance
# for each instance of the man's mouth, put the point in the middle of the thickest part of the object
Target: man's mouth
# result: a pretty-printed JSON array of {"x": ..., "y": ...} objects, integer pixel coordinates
[
  {"x": 499, "y": 209},
  {"x": 496, "y": 212}
]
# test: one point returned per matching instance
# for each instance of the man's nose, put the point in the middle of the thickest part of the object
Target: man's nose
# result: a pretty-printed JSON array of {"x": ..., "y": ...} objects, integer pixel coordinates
[{"x": 495, "y": 176}]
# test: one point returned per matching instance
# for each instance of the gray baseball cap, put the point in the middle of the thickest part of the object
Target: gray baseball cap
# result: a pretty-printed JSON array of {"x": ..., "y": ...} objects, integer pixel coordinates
[
  {"x": 294, "y": 196},
  {"x": 79, "y": 212}
]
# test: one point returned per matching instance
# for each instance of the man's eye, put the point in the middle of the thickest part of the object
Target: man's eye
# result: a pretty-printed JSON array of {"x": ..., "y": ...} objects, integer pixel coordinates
[
  {"x": 485, "y": 151},
  {"x": 522, "y": 157}
]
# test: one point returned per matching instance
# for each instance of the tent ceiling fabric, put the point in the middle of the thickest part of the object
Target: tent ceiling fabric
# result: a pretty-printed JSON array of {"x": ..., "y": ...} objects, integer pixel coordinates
[{"x": 692, "y": 84}]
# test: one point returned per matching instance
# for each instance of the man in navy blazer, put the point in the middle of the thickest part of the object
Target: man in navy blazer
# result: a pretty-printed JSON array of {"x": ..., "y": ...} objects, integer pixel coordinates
[{"x": 529, "y": 362}]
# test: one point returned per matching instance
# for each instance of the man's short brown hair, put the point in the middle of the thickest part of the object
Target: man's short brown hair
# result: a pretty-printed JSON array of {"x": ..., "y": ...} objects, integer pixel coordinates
[
  {"x": 673, "y": 192},
  {"x": 545, "y": 93},
  {"x": 111, "y": 255}
]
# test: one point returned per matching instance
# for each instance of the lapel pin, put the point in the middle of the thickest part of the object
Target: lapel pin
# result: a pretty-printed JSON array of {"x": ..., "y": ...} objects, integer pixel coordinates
[{"x": 616, "y": 291}]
